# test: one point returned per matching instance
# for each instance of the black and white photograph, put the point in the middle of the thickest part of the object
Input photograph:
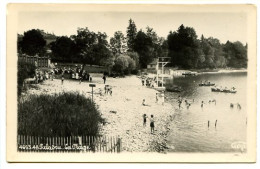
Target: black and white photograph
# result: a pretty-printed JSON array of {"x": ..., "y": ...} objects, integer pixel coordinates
[{"x": 157, "y": 83}]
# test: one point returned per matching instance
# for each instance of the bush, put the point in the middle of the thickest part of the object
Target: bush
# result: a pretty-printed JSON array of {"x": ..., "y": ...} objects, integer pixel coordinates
[
  {"x": 65, "y": 114},
  {"x": 124, "y": 64},
  {"x": 25, "y": 70}
]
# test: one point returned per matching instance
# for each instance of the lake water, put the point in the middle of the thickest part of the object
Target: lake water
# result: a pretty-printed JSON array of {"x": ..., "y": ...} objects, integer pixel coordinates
[{"x": 189, "y": 131}]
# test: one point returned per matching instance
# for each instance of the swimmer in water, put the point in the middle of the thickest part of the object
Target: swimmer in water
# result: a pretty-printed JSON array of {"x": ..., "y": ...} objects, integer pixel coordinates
[
  {"x": 188, "y": 106},
  {"x": 231, "y": 105},
  {"x": 202, "y": 103},
  {"x": 238, "y": 106},
  {"x": 214, "y": 100}
]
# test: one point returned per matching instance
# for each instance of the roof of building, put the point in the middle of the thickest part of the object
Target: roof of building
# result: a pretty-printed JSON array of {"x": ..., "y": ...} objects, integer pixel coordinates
[{"x": 154, "y": 62}]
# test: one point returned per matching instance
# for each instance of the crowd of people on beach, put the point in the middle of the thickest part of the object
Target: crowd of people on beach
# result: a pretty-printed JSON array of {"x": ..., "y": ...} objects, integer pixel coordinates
[
  {"x": 150, "y": 82},
  {"x": 75, "y": 73}
]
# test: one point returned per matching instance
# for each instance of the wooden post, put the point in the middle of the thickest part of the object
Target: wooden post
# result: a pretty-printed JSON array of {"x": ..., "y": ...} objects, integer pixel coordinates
[
  {"x": 18, "y": 142},
  {"x": 70, "y": 141},
  {"x": 93, "y": 142},
  {"x": 111, "y": 144},
  {"x": 63, "y": 141},
  {"x": 92, "y": 85},
  {"x": 88, "y": 142},
  {"x": 103, "y": 144},
  {"x": 114, "y": 144}
]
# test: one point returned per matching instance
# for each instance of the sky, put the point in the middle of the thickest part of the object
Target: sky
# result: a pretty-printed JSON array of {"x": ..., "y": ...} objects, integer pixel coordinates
[{"x": 223, "y": 26}]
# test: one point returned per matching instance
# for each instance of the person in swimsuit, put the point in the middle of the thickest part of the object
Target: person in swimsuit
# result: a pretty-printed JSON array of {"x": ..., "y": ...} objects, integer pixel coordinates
[
  {"x": 62, "y": 79},
  {"x": 144, "y": 117},
  {"x": 152, "y": 124},
  {"x": 202, "y": 103}
]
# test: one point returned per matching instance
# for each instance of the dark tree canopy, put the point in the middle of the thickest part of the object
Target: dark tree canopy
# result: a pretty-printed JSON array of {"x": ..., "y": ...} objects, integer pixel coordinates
[
  {"x": 118, "y": 43},
  {"x": 236, "y": 54},
  {"x": 143, "y": 45},
  {"x": 91, "y": 47},
  {"x": 63, "y": 48},
  {"x": 183, "y": 46},
  {"x": 33, "y": 43}
]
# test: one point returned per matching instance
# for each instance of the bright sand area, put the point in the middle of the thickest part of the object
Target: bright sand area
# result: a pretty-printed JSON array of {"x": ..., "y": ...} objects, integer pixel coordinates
[{"x": 123, "y": 111}]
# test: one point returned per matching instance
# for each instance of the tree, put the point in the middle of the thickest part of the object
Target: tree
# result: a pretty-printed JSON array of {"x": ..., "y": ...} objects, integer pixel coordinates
[
  {"x": 108, "y": 63},
  {"x": 183, "y": 47},
  {"x": 135, "y": 57},
  {"x": 131, "y": 35},
  {"x": 62, "y": 48},
  {"x": 236, "y": 54},
  {"x": 158, "y": 43},
  {"x": 143, "y": 45},
  {"x": 33, "y": 43},
  {"x": 121, "y": 64},
  {"x": 118, "y": 43},
  {"x": 124, "y": 64},
  {"x": 91, "y": 47}
]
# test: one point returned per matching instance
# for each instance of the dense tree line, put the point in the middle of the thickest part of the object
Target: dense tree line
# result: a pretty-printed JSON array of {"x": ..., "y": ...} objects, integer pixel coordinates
[{"x": 135, "y": 50}]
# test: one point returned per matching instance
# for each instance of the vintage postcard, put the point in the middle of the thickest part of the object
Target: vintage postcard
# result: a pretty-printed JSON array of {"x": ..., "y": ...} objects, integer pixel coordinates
[{"x": 131, "y": 83}]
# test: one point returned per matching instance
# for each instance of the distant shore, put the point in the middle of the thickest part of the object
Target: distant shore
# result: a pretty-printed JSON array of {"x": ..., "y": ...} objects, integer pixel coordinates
[
  {"x": 220, "y": 70},
  {"x": 180, "y": 72}
]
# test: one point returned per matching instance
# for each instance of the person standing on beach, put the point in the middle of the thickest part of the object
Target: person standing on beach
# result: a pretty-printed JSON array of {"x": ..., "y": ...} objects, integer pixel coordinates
[
  {"x": 156, "y": 98},
  {"x": 104, "y": 78},
  {"x": 144, "y": 117},
  {"x": 62, "y": 79},
  {"x": 162, "y": 96},
  {"x": 152, "y": 124},
  {"x": 80, "y": 79}
]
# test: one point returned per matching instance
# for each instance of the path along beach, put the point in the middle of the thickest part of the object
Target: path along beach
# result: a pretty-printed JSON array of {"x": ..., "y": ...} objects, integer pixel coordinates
[{"x": 123, "y": 111}]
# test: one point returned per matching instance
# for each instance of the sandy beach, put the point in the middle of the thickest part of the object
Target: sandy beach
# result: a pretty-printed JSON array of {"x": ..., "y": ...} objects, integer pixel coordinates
[{"x": 123, "y": 111}]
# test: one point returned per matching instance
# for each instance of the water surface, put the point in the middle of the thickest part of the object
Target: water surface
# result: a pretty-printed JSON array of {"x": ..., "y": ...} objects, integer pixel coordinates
[{"x": 189, "y": 127}]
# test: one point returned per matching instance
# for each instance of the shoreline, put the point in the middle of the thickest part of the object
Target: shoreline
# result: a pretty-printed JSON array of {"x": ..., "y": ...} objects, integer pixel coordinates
[
  {"x": 123, "y": 111},
  {"x": 225, "y": 71},
  {"x": 230, "y": 70}
]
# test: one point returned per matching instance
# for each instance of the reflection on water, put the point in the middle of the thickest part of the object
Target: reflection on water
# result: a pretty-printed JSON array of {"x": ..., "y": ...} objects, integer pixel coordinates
[{"x": 189, "y": 126}]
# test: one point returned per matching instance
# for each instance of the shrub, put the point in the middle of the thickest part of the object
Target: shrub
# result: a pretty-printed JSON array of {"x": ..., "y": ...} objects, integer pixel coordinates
[
  {"x": 25, "y": 70},
  {"x": 124, "y": 64},
  {"x": 65, "y": 114}
]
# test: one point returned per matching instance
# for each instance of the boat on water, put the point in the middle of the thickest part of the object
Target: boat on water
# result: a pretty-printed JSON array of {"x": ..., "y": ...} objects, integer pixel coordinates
[
  {"x": 174, "y": 89},
  {"x": 223, "y": 90},
  {"x": 207, "y": 84},
  {"x": 160, "y": 89},
  {"x": 189, "y": 73}
]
